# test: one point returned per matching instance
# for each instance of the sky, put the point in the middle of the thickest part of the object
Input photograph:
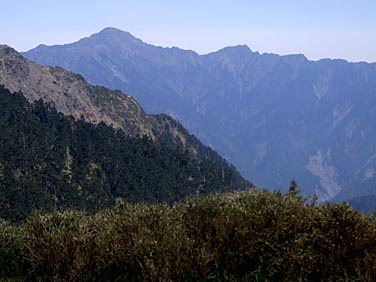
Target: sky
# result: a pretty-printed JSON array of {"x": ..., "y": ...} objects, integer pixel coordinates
[{"x": 318, "y": 29}]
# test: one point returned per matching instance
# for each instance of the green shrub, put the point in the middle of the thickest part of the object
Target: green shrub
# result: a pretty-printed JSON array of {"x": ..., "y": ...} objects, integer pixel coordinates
[
  {"x": 242, "y": 236},
  {"x": 11, "y": 258}
]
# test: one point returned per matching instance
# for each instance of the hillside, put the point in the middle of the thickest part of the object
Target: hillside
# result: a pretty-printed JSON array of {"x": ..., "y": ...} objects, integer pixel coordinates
[
  {"x": 49, "y": 161},
  {"x": 275, "y": 117},
  {"x": 70, "y": 94}
]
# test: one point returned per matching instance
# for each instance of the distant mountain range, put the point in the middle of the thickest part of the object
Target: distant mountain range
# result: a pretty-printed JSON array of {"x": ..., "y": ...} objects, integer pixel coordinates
[
  {"x": 275, "y": 117},
  {"x": 67, "y": 144}
]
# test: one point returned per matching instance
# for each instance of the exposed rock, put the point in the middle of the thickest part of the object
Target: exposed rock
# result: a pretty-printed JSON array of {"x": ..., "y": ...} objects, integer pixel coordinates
[{"x": 319, "y": 165}]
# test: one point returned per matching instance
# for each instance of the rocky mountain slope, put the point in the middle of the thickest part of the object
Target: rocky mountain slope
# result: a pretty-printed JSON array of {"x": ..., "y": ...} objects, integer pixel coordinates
[
  {"x": 275, "y": 117},
  {"x": 70, "y": 94}
]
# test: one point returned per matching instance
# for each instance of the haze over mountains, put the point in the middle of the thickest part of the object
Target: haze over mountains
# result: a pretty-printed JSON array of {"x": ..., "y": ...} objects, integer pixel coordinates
[
  {"x": 72, "y": 159},
  {"x": 275, "y": 117}
]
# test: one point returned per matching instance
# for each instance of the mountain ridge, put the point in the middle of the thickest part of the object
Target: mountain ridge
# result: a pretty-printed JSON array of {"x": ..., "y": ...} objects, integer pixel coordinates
[
  {"x": 275, "y": 117},
  {"x": 70, "y": 94}
]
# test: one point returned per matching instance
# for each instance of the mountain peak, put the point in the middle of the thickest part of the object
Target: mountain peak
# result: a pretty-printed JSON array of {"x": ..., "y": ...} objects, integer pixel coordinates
[
  {"x": 114, "y": 36},
  {"x": 4, "y": 46},
  {"x": 112, "y": 30},
  {"x": 6, "y": 50},
  {"x": 243, "y": 47},
  {"x": 237, "y": 49}
]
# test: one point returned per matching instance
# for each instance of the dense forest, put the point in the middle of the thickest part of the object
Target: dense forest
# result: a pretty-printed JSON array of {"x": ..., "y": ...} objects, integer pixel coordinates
[{"x": 49, "y": 161}]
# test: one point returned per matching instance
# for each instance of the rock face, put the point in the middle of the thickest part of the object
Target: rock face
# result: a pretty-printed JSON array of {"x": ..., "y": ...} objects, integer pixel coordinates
[
  {"x": 274, "y": 117},
  {"x": 70, "y": 94}
]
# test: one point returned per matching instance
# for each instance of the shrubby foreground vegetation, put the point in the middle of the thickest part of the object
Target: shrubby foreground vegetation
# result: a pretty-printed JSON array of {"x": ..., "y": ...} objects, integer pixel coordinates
[{"x": 243, "y": 236}]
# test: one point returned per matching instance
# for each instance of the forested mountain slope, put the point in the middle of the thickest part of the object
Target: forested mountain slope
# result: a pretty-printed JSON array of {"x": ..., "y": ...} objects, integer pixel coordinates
[
  {"x": 50, "y": 161},
  {"x": 70, "y": 94}
]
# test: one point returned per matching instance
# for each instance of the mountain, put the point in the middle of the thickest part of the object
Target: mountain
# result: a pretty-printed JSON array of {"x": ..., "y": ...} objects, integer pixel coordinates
[
  {"x": 65, "y": 143},
  {"x": 70, "y": 94},
  {"x": 275, "y": 117},
  {"x": 51, "y": 161},
  {"x": 364, "y": 204}
]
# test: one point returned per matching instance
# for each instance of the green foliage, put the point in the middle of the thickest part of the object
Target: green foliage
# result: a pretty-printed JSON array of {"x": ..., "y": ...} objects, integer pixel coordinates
[
  {"x": 52, "y": 162},
  {"x": 244, "y": 236}
]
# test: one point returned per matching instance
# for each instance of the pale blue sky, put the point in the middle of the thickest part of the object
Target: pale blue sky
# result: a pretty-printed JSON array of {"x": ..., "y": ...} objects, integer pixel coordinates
[{"x": 317, "y": 28}]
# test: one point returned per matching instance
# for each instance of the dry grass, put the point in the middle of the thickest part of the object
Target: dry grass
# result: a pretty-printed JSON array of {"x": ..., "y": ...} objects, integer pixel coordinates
[{"x": 245, "y": 236}]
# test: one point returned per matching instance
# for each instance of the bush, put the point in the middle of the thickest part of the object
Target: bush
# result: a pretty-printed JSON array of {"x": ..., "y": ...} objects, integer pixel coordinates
[{"x": 243, "y": 236}]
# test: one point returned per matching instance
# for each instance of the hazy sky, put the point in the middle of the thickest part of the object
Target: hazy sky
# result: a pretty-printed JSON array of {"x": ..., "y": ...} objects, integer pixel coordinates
[{"x": 317, "y": 28}]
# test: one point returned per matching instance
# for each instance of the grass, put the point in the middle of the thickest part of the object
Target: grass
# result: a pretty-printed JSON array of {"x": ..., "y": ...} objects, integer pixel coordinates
[{"x": 243, "y": 236}]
